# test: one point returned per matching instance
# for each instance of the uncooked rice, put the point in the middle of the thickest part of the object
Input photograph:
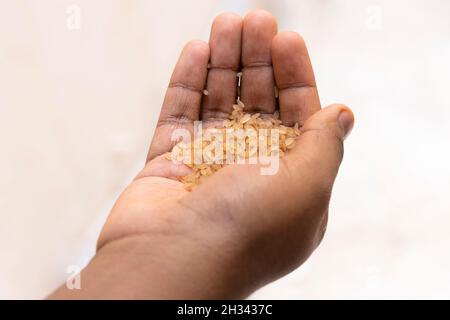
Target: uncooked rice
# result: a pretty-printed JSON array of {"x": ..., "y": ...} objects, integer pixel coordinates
[{"x": 238, "y": 120}]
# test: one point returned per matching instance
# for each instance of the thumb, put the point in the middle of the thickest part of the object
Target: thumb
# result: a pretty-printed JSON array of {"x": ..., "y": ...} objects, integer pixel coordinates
[{"x": 320, "y": 145}]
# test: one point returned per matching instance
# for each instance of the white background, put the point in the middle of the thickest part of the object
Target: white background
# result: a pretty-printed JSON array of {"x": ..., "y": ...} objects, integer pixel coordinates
[{"x": 78, "y": 108}]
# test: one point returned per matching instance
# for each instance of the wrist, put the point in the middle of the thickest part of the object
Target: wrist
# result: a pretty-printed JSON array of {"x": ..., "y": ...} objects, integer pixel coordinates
[
  {"x": 160, "y": 267},
  {"x": 168, "y": 267}
]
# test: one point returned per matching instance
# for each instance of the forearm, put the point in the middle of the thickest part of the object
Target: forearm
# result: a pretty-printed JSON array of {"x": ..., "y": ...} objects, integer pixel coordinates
[{"x": 145, "y": 267}]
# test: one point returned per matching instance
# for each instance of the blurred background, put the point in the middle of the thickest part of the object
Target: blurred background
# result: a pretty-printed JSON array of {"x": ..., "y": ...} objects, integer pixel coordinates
[{"x": 81, "y": 85}]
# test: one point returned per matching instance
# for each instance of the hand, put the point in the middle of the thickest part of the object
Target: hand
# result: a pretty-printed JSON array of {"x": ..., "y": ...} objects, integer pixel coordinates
[{"x": 239, "y": 229}]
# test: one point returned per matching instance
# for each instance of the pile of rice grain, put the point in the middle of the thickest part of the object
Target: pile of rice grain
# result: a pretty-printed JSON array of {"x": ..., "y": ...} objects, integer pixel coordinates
[{"x": 238, "y": 120}]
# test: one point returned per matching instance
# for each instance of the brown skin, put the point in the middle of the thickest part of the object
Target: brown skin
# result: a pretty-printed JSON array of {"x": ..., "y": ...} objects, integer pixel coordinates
[{"x": 239, "y": 230}]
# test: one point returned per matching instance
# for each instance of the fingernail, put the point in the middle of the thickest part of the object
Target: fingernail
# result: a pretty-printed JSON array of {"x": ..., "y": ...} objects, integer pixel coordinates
[{"x": 346, "y": 121}]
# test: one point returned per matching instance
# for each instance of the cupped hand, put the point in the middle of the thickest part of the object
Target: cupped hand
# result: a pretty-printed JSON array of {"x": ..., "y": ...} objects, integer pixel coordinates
[{"x": 239, "y": 229}]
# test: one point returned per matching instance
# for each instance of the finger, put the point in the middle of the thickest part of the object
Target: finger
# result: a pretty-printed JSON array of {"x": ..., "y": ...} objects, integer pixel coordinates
[
  {"x": 183, "y": 97},
  {"x": 298, "y": 97},
  {"x": 225, "y": 44},
  {"x": 319, "y": 150},
  {"x": 257, "y": 85},
  {"x": 162, "y": 167}
]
